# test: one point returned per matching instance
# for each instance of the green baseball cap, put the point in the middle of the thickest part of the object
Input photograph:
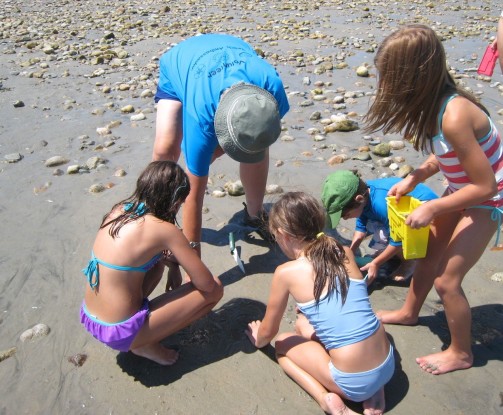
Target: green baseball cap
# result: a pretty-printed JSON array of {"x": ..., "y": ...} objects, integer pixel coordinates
[{"x": 339, "y": 189}]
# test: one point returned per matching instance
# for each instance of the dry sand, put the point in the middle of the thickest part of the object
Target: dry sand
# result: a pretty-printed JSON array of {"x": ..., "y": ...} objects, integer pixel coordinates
[{"x": 49, "y": 218}]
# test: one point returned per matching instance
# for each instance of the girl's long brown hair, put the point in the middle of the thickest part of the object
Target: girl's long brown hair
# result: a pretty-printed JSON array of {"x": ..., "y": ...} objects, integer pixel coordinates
[
  {"x": 303, "y": 217},
  {"x": 160, "y": 190},
  {"x": 413, "y": 81}
]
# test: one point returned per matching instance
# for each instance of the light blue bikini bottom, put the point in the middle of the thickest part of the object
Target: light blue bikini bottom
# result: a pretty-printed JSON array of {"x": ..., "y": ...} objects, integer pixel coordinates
[{"x": 360, "y": 386}]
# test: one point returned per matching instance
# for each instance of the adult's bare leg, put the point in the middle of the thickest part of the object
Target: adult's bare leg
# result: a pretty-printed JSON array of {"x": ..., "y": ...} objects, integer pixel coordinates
[{"x": 254, "y": 179}]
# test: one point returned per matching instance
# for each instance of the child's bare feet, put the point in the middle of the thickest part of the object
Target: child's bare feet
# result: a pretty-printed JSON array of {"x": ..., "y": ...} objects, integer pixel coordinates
[
  {"x": 404, "y": 271},
  {"x": 375, "y": 404},
  {"x": 158, "y": 353},
  {"x": 336, "y": 406},
  {"x": 396, "y": 317},
  {"x": 444, "y": 362}
]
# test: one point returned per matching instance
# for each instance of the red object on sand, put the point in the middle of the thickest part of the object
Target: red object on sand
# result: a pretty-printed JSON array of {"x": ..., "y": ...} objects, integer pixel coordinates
[{"x": 488, "y": 62}]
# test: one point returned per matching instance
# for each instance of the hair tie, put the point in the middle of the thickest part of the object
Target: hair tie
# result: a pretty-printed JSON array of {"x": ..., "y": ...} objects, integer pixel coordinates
[
  {"x": 320, "y": 234},
  {"x": 140, "y": 210}
]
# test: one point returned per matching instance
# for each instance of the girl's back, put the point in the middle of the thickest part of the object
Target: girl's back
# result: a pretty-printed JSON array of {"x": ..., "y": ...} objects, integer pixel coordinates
[
  {"x": 350, "y": 331},
  {"x": 121, "y": 263}
]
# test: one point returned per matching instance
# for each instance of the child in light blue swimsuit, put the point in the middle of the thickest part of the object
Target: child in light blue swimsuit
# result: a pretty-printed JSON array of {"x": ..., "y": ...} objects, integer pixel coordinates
[
  {"x": 339, "y": 349},
  {"x": 137, "y": 239}
]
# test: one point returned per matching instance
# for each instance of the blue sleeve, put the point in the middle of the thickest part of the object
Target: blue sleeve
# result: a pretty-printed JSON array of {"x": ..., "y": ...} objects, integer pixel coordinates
[
  {"x": 361, "y": 224},
  {"x": 277, "y": 89},
  {"x": 393, "y": 242},
  {"x": 423, "y": 193}
]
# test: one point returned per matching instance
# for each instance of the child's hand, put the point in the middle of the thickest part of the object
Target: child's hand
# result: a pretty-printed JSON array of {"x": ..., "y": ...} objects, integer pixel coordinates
[
  {"x": 372, "y": 270},
  {"x": 401, "y": 188},
  {"x": 420, "y": 217},
  {"x": 174, "y": 277},
  {"x": 252, "y": 331},
  {"x": 168, "y": 258}
]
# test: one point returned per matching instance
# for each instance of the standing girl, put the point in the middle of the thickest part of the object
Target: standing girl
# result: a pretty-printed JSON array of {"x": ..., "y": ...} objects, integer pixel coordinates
[
  {"x": 418, "y": 97},
  {"x": 340, "y": 349},
  {"x": 135, "y": 242}
]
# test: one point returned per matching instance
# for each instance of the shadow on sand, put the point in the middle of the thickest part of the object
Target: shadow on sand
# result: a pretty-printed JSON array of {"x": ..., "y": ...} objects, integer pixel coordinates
[
  {"x": 264, "y": 263},
  {"x": 487, "y": 332},
  {"x": 214, "y": 337},
  {"x": 396, "y": 389}
]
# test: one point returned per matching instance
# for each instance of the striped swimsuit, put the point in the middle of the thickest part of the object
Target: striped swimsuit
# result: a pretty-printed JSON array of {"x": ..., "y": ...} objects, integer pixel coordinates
[
  {"x": 453, "y": 171},
  {"x": 451, "y": 167}
]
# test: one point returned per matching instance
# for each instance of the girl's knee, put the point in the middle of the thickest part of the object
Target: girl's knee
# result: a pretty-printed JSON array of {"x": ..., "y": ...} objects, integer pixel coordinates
[
  {"x": 442, "y": 288},
  {"x": 446, "y": 287}
]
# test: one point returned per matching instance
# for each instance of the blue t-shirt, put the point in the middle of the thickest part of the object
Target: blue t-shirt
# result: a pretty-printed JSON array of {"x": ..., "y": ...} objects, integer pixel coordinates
[
  {"x": 196, "y": 72},
  {"x": 377, "y": 209}
]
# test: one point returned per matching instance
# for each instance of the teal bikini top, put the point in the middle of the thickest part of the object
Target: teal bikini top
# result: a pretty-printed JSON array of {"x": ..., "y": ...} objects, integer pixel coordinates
[{"x": 93, "y": 272}]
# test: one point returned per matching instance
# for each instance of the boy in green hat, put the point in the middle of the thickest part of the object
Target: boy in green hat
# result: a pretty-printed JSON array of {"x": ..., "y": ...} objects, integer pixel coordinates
[{"x": 346, "y": 196}]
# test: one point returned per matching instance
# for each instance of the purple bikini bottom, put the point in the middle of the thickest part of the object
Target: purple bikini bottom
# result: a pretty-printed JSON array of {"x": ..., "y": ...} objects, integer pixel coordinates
[{"x": 118, "y": 336}]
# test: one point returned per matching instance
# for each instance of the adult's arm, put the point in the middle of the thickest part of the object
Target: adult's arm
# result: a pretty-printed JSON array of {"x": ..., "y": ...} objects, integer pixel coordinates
[
  {"x": 188, "y": 258},
  {"x": 193, "y": 208},
  {"x": 168, "y": 130}
]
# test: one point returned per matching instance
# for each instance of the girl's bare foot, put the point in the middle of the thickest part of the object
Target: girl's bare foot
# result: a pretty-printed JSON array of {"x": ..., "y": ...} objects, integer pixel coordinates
[
  {"x": 336, "y": 406},
  {"x": 375, "y": 404},
  {"x": 444, "y": 362},
  {"x": 396, "y": 317},
  {"x": 158, "y": 353}
]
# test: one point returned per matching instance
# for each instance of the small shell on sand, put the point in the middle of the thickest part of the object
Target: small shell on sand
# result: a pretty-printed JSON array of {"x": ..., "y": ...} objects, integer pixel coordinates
[
  {"x": 56, "y": 161},
  {"x": 272, "y": 189},
  {"x": 78, "y": 359},
  {"x": 38, "y": 330},
  {"x": 97, "y": 188},
  {"x": 235, "y": 188},
  {"x": 382, "y": 150},
  {"x": 13, "y": 157},
  {"x": 497, "y": 277},
  {"x": 337, "y": 159},
  {"x": 218, "y": 193}
]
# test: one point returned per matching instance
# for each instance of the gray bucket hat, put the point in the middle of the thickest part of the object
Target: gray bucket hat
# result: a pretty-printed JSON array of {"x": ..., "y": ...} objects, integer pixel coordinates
[{"x": 247, "y": 122}]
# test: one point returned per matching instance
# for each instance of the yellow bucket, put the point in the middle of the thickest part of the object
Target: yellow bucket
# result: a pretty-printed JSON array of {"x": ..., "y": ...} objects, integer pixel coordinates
[{"x": 414, "y": 241}]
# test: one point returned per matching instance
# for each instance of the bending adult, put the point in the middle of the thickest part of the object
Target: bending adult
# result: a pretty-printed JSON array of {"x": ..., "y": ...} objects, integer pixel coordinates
[{"x": 216, "y": 95}]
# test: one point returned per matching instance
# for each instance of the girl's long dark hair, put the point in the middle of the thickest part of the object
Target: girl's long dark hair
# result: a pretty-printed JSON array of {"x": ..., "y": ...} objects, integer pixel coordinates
[
  {"x": 160, "y": 191},
  {"x": 303, "y": 217}
]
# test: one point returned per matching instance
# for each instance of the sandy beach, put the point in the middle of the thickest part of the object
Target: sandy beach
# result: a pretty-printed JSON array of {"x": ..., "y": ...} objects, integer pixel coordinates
[{"x": 77, "y": 126}]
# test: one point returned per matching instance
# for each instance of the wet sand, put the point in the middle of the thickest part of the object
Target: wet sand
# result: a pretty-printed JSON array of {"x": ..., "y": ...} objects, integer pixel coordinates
[{"x": 76, "y": 66}]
